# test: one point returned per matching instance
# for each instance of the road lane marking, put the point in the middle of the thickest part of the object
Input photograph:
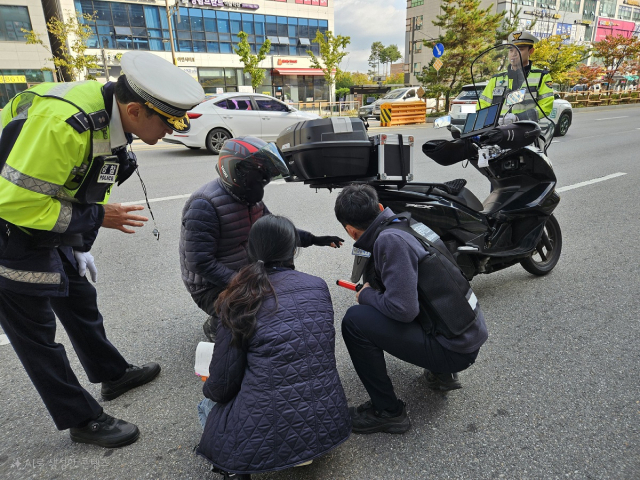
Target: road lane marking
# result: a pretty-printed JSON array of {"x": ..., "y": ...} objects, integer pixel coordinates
[
  {"x": 179, "y": 197},
  {"x": 589, "y": 182},
  {"x": 4, "y": 340},
  {"x": 282, "y": 182},
  {"x": 611, "y": 118}
]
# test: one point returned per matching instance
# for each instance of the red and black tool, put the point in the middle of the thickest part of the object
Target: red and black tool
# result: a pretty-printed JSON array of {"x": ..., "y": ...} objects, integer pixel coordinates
[{"x": 349, "y": 285}]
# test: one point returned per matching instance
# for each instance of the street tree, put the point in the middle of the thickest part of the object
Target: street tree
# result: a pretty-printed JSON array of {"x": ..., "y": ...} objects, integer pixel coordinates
[
  {"x": 391, "y": 54},
  {"x": 613, "y": 51},
  {"x": 251, "y": 61},
  {"x": 332, "y": 51},
  {"x": 467, "y": 31},
  {"x": 377, "y": 50},
  {"x": 71, "y": 37},
  {"x": 396, "y": 79},
  {"x": 585, "y": 75},
  {"x": 558, "y": 58},
  {"x": 360, "y": 78}
]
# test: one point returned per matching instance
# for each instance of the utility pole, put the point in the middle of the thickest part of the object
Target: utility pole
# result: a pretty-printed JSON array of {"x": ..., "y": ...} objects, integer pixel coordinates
[
  {"x": 173, "y": 50},
  {"x": 106, "y": 67}
]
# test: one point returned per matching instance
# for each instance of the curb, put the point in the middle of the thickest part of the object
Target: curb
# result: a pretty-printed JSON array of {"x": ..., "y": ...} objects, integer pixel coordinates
[{"x": 606, "y": 107}]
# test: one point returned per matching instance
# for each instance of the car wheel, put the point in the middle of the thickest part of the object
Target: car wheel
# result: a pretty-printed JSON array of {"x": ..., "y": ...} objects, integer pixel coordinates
[
  {"x": 193, "y": 148},
  {"x": 562, "y": 127},
  {"x": 216, "y": 138}
]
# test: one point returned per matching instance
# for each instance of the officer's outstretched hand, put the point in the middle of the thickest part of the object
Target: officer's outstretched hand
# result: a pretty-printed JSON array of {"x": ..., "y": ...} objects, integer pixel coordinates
[
  {"x": 117, "y": 216},
  {"x": 328, "y": 241}
]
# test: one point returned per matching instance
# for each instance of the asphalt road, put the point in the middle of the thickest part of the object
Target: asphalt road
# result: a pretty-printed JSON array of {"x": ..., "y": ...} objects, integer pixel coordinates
[{"x": 554, "y": 393}]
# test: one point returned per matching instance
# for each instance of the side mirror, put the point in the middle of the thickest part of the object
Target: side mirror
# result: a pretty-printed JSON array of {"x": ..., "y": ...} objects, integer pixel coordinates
[
  {"x": 515, "y": 97},
  {"x": 441, "y": 122}
]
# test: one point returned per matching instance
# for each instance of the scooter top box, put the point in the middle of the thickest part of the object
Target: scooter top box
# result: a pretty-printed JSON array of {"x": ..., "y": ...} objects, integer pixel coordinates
[{"x": 327, "y": 148}]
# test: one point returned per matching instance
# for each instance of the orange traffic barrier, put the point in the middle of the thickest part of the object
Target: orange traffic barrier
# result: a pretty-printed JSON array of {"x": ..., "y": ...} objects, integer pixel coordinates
[{"x": 402, "y": 113}]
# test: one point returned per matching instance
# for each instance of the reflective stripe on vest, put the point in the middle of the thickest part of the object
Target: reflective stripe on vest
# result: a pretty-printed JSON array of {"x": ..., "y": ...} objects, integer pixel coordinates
[{"x": 46, "y": 278}]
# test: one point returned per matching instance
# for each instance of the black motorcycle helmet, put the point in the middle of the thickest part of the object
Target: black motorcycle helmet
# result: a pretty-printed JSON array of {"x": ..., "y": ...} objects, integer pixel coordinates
[{"x": 247, "y": 164}]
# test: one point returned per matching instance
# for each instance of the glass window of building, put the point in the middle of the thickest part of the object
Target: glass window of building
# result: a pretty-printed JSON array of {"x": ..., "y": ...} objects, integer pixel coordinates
[
  {"x": 607, "y": 8},
  {"x": 589, "y": 10},
  {"x": 129, "y": 26},
  {"x": 12, "y": 20},
  {"x": 636, "y": 15},
  {"x": 570, "y": 5},
  {"x": 624, "y": 13},
  {"x": 418, "y": 22}
]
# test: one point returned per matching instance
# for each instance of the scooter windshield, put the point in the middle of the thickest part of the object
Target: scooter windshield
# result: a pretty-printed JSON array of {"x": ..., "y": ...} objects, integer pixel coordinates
[{"x": 497, "y": 74}]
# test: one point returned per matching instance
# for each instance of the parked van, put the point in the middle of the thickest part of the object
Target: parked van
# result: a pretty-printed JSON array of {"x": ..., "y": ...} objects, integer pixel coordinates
[{"x": 407, "y": 94}]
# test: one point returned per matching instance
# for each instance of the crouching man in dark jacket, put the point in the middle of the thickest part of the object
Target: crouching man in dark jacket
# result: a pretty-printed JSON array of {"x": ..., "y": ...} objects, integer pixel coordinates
[
  {"x": 409, "y": 307},
  {"x": 218, "y": 216}
]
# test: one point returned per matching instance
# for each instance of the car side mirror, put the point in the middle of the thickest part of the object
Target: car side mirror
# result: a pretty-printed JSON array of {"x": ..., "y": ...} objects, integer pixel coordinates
[{"x": 556, "y": 96}]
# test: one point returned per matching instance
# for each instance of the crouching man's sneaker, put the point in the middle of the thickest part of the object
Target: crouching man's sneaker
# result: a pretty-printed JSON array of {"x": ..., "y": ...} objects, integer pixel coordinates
[
  {"x": 366, "y": 419},
  {"x": 133, "y": 377},
  {"x": 106, "y": 431},
  {"x": 442, "y": 382}
]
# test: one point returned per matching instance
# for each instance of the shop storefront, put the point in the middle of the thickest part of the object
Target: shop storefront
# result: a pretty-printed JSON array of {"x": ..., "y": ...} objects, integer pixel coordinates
[
  {"x": 205, "y": 36},
  {"x": 14, "y": 81},
  {"x": 22, "y": 64}
]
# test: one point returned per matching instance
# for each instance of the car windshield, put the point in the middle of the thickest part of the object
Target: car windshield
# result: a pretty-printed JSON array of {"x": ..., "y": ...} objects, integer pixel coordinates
[
  {"x": 395, "y": 93},
  {"x": 468, "y": 94}
]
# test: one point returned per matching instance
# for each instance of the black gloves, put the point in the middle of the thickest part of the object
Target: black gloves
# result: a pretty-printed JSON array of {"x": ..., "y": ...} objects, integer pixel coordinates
[{"x": 327, "y": 241}]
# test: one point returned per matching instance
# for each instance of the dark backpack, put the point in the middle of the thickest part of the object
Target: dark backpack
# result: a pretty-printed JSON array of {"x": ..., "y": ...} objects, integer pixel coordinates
[{"x": 448, "y": 305}]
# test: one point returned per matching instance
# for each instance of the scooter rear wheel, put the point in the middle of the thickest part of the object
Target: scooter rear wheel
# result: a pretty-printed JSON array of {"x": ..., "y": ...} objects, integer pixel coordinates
[{"x": 547, "y": 252}]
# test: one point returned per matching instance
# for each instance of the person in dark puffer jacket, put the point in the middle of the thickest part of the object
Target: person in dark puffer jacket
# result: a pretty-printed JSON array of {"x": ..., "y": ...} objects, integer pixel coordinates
[
  {"x": 279, "y": 400},
  {"x": 218, "y": 216}
]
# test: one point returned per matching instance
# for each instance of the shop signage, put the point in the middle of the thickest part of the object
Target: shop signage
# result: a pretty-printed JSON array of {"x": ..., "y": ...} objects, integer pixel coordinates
[
  {"x": 13, "y": 79},
  {"x": 542, "y": 14},
  {"x": 285, "y": 61},
  {"x": 186, "y": 59},
  {"x": 610, "y": 26},
  {"x": 220, "y": 4},
  {"x": 633, "y": 2}
]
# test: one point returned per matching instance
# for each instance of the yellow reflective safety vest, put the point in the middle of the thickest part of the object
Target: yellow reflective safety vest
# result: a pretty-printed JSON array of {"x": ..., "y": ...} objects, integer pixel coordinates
[
  {"x": 51, "y": 135},
  {"x": 539, "y": 82}
]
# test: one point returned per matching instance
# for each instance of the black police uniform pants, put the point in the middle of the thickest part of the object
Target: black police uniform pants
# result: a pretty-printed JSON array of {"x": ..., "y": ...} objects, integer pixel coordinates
[
  {"x": 368, "y": 334},
  {"x": 30, "y": 324}
]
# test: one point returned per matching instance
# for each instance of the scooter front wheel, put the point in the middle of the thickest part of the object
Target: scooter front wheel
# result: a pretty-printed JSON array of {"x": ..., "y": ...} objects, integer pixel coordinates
[{"x": 547, "y": 252}]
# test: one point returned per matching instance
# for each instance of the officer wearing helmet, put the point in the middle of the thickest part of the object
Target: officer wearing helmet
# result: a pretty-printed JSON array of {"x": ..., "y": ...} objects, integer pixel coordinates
[
  {"x": 218, "y": 216},
  {"x": 63, "y": 147},
  {"x": 539, "y": 81}
]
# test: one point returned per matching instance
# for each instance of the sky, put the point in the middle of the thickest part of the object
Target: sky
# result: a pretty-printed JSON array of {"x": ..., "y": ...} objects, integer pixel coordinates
[{"x": 368, "y": 21}]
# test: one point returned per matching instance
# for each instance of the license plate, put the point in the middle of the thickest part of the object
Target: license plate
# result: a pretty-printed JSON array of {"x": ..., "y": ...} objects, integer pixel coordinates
[{"x": 467, "y": 108}]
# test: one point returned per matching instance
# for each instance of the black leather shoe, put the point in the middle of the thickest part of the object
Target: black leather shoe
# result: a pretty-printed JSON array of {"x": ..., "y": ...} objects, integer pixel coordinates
[
  {"x": 106, "y": 431},
  {"x": 366, "y": 419},
  {"x": 132, "y": 378},
  {"x": 442, "y": 382}
]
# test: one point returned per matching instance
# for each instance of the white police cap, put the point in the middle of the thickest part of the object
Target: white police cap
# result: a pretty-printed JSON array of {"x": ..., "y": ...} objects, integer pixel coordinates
[
  {"x": 163, "y": 87},
  {"x": 522, "y": 38}
]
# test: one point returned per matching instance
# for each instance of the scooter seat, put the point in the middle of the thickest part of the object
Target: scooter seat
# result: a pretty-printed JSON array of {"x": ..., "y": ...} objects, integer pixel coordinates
[{"x": 456, "y": 186}]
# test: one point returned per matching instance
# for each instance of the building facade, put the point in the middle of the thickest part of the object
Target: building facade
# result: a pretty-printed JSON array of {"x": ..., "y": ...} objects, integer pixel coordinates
[
  {"x": 21, "y": 64},
  {"x": 205, "y": 34},
  {"x": 576, "y": 20}
]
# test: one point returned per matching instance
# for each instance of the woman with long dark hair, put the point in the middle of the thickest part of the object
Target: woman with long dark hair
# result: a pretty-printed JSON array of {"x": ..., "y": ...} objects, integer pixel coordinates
[{"x": 278, "y": 398}]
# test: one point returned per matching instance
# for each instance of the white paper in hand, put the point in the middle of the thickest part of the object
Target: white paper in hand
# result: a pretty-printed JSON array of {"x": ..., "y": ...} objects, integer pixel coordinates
[{"x": 204, "y": 352}]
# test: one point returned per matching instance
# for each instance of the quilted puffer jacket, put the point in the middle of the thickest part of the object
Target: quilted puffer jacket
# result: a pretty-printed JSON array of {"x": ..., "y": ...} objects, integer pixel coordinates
[
  {"x": 213, "y": 236},
  {"x": 279, "y": 402}
]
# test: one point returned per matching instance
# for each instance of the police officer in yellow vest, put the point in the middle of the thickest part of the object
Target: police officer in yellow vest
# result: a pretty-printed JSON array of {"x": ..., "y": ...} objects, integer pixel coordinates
[
  {"x": 62, "y": 148},
  {"x": 539, "y": 81}
]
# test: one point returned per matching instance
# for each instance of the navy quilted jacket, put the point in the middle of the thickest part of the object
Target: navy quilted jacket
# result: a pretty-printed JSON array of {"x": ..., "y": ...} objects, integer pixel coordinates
[
  {"x": 213, "y": 236},
  {"x": 280, "y": 402}
]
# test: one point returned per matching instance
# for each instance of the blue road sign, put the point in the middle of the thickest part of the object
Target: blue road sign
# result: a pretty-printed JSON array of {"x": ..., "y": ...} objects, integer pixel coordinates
[{"x": 438, "y": 50}]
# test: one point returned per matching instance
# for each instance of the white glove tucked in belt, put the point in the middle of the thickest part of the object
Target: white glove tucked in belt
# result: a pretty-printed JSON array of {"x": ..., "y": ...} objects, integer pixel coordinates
[{"x": 85, "y": 260}]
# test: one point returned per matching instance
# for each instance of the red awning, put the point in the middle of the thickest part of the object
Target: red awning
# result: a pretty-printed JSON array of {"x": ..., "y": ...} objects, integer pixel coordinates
[{"x": 298, "y": 71}]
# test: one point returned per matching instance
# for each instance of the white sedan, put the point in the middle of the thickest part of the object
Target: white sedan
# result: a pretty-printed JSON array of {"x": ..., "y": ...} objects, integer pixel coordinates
[{"x": 229, "y": 115}]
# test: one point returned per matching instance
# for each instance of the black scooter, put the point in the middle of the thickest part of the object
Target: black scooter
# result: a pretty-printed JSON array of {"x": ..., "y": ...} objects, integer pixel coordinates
[{"x": 513, "y": 225}]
